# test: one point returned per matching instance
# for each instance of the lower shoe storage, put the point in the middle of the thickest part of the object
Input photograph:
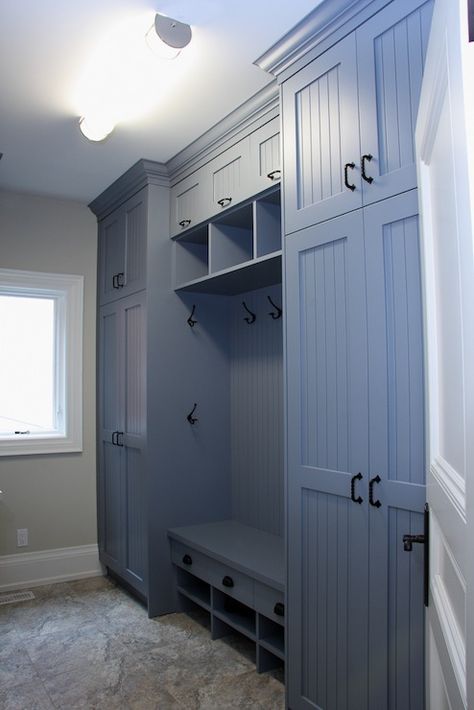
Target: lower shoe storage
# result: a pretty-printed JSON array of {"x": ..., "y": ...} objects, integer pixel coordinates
[{"x": 235, "y": 573}]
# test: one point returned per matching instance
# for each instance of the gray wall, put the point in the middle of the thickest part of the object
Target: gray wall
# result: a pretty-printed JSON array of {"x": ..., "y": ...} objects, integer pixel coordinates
[{"x": 54, "y": 496}]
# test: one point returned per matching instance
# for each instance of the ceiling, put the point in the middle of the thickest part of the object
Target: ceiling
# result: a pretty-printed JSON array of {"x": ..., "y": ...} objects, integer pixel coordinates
[{"x": 60, "y": 59}]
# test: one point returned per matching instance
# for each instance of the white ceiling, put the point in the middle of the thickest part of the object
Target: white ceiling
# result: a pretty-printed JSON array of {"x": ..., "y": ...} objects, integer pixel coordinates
[{"x": 46, "y": 46}]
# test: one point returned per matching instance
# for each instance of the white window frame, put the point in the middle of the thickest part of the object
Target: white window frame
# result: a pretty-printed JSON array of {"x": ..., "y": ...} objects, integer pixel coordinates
[{"x": 68, "y": 292}]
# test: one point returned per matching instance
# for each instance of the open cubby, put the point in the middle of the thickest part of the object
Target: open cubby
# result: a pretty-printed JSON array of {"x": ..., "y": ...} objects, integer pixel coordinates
[
  {"x": 271, "y": 636},
  {"x": 267, "y": 230},
  {"x": 237, "y": 615},
  {"x": 194, "y": 588},
  {"x": 236, "y": 251},
  {"x": 192, "y": 255}
]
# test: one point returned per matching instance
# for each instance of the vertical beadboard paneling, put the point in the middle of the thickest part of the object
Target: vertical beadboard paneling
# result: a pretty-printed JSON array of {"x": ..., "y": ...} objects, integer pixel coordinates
[
  {"x": 111, "y": 501},
  {"x": 108, "y": 371},
  {"x": 404, "y": 333},
  {"x": 257, "y": 413},
  {"x": 269, "y": 155},
  {"x": 324, "y": 346},
  {"x": 135, "y": 344},
  {"x": 226, "y": 180},
  {"x": 399, "y": 58},
  {"x": 405, "y": 614},
  {"x": 325, "y": 599},
  {"x": 318, "y": 134},
  {"x": 187, "y": 203},
  {"x": 135, "y": 501},
  {"x": 136, "y": 243}
]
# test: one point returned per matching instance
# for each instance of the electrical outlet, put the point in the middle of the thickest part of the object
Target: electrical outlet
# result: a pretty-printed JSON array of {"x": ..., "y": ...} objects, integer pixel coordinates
[{"x": 22, "y": 537}]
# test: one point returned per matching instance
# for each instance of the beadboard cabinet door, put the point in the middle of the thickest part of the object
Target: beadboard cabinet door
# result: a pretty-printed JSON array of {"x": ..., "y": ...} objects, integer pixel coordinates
[
  {"x": 391, "y": 50},
  {"x": 122, "y": 415},
  {"x": 396, "y": 453},
  {"x": 327, "y": 513},
  {"x": 265, "y": 165},
  {"x": 226, "y": 178},
  {"x": 122, "y": 250},
  {"x": 188, "y": 203},
  {"x": 321, "y": 138}
]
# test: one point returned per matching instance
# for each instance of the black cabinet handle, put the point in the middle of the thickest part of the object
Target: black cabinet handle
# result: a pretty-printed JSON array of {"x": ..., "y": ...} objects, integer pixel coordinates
[
  {"x": 114, "y": 439},
  {"x": 120, "y": 280},
  {"x": 228, "y": 581},
  {"x": 366, "y": 177},
  {"x": 375, "y": 503},
  {"x": 184, "y": 223},
  {"x": 279, "y": 609},
  {"x": 349, "y": 185},
  {"x": 424, "y": 539},
  {"x": 357, "y": 477},
  {"x": 119, "y": 441},
  {"x": 114, "y": 281},
  {"x": 225, "y": 201},
  {"x": 187, "y": 560},
  {"x": 274, "y": 175}
]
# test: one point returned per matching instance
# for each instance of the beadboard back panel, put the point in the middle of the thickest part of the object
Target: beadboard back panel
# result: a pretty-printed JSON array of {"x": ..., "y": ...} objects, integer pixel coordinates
[{"x": 256, "y": 385}]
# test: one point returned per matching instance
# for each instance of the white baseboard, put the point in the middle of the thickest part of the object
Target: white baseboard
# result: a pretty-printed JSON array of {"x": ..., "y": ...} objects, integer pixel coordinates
[{"x": 32, "y": 569}]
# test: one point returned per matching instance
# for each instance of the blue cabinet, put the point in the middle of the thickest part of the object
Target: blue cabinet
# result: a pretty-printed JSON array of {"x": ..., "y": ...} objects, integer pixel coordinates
[
  {"x": 349, "y": 117},
  {"x": 355, "y": 439},
  {"x": 122, "y": 411}
]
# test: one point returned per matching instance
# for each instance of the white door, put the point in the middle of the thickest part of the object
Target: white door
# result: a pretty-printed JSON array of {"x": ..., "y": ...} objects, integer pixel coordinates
[{"x": 445, "y": 157}]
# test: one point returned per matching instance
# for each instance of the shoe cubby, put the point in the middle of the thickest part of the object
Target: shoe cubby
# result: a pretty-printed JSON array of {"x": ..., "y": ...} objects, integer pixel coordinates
[
  {"x": 267, "y": 220},
  {"x": 231, "y": 239},
  {"x": 192, "y": 255}
]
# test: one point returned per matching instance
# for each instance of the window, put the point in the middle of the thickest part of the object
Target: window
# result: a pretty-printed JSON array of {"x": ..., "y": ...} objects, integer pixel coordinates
[{"x": 40, "y": 362}]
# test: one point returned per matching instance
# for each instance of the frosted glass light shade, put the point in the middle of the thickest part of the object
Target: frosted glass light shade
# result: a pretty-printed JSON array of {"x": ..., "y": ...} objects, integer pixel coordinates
[
  {"x": 95, "y": 129},
  {"x": 167, "y": 37}
]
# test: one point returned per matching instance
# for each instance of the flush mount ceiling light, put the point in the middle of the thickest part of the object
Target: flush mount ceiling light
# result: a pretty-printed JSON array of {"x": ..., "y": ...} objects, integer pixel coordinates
[
  {"x": 167, "y": 37},
  {"x": 95, "y": 128}
]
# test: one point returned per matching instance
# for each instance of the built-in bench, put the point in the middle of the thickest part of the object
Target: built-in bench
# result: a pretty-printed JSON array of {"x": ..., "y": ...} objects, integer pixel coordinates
[{"x": 237, "y": 574}]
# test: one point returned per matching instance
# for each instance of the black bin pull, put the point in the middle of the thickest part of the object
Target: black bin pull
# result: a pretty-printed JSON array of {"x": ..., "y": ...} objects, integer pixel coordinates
[
  {"x": 279, "y": 609},
  {"x": 227, "y": 581},
  {"x": 224, "y": 201},
  {"x": 187, "y": 560}
]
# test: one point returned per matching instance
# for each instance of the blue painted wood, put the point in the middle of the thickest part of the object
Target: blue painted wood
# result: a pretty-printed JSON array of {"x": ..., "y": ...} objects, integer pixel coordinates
[
  {"x": 256, "y": 415},
  {"x": 391, "y": 49},
  {"x": 122, "y": 250},
  {"x": 321, "y": 135},
  {"x": 327, "y": 425},
  {"x": 396, "y": 451}
]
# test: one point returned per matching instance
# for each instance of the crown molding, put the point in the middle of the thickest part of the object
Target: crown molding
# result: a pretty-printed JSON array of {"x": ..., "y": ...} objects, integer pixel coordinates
[
  {"x": 142, "y": 173},
  {"x": 325, "y": 25}
]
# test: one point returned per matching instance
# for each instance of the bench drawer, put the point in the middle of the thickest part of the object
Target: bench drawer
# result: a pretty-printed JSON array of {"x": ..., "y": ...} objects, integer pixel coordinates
[
  {"x": 270, "y": 602},
  {"x": 192, "y": 561}
]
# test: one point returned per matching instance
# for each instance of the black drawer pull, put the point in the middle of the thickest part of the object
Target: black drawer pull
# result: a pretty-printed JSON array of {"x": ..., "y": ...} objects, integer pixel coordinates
[
  {"x": 228, "y": 581},
  {"x": 184, "y": 223},
  {"x": 187, "y": 560},
  {"x": 115, "y": 281},
  {"x": 274, "y": 175},
  {"x": 120, "y": 280},
  {"x": 349, "y": 185},
  {"x": 366, "y": 177},
  {"x": 224, "y": 201},
  {"x": 357, "y": 477},
  {"x": 114, "y": 439},
  {"x": 279, "y": 609}
]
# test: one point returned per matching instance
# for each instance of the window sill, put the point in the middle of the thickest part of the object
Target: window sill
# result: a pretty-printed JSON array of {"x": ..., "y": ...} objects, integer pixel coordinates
[{"x": 40, "y": 445}]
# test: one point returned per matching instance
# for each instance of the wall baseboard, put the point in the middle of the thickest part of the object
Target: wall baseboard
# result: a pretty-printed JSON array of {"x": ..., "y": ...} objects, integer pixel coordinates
[{"x": 33, "y": 569}]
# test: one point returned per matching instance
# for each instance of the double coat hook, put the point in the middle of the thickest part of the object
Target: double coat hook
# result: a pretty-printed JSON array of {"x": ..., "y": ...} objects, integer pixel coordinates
[
  {"x": 252, "y": 318},
  {"x": 277, "y": 314},
  {"x": 191, "y": 322}
]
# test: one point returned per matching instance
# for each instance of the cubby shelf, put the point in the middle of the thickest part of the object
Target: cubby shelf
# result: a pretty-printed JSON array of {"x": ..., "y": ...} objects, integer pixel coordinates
[{"x": 235, "y": 252}]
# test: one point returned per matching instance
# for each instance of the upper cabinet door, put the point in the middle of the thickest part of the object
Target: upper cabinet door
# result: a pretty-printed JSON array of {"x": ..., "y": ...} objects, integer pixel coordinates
[
  {"x": 265, "y": 167},
  {"x": 391, "y": 49},
  {"x": 227, "y": 178},
  {"x": 321, "y": 138},
  {"x": 187, "y": 203},
  {"x": 122, "y": 250}
]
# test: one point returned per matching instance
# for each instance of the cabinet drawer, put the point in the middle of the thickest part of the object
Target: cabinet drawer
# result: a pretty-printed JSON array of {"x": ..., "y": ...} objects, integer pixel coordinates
[
  {"x": 266, "y": 601},
  {"x": 233, "y": 583},
  {"x": 194, "y": 562}
]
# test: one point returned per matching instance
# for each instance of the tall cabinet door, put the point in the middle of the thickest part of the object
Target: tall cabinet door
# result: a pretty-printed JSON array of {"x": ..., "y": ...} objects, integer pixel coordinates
[
  {"x": 134, "y": 433},
  {"x": 321, "y": 138},
  {"x": 391, "y": 49},
  {"x": 396, "y": 424},
  {"x": 110, "y": 479},
  {"x": 327, "y": 399}
]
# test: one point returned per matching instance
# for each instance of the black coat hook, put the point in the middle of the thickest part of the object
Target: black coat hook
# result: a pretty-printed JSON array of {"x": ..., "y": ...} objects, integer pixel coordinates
[
  {"x": 252, "y": 318},
  {"x": 278, "y": 313},
  {"x": 190, "y": 418},
  {"x": 191, "y": 321}
]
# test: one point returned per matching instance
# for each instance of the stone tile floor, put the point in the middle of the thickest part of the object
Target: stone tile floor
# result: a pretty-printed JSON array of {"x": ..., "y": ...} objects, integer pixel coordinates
[{"x": 88, "y": 644}]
